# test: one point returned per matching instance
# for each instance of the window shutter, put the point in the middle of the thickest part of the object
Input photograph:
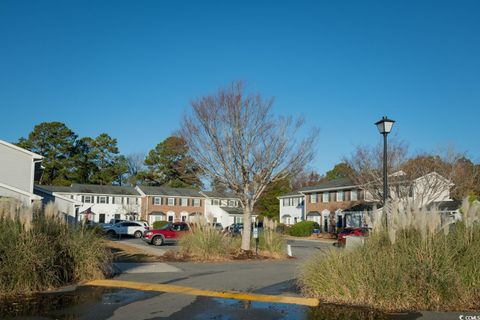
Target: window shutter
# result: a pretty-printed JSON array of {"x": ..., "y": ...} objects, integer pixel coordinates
[
  {"x": 153, "y": 200},
  {"x": 107, "y": 199},
  {"x": 83, "y": 198}
]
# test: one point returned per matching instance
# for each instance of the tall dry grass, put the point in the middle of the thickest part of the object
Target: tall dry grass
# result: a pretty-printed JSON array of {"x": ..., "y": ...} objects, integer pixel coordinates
[
  {"x": 420, "y": 263},
  {"x": 271, "y": 243},
  {"x": 205, "y": 243},
  {"x": 39, "y": 251}
]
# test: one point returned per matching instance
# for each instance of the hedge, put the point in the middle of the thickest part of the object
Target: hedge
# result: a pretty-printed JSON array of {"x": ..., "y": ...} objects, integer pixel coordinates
[{"x": 303, "y": 228}]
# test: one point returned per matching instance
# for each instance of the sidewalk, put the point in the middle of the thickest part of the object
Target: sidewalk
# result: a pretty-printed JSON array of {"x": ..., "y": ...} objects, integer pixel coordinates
[{"x": 323, "y": 240}]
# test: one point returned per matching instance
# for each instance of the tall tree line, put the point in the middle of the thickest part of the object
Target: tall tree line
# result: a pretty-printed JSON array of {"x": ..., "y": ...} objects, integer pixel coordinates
[{"x": 70, "y": 159}]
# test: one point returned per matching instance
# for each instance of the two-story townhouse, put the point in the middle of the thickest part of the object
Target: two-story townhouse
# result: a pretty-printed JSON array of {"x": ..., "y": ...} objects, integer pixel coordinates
[
  {"x": 325, "y": 203},
  {"x": 97, "y": 203},
  {"x": 170, "y": 204},
  {"x": 18, "y": 170},
  {"x": 223, "y": 208},
  {"x": 341, "y": 203},
  {"x": 292, "y": 208}
]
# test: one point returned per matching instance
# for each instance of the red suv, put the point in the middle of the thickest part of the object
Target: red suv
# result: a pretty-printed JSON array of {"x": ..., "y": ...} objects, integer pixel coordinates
[
  {"x": 356, "y": 232},
  {"x": 169, "y": 233}
]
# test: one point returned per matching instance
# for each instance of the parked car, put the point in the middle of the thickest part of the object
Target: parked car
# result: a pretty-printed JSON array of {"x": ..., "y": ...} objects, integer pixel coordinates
[
  {"x": 169, "y": 233},
  {"x": 351, "y": 231},
  {"x": 131, "y": 228},
  {"x": 236, "y": 228},
  {"x": 217, "y": 226},
  {"x": 111, "y": 223}
]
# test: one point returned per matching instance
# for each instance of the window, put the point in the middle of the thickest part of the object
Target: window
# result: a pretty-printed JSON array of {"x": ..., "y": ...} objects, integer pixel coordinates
[
  {"x": 295, "y": 202},
  {"x": 353, "y": 195},
  {"x": 88, "y": 199},
  {"x": 284, "y": 202},
  {"x": 101, "y": 218},
  {"x": 325, "y": 197},
  {"x": 224, "y": 203},
  {"x": 339, "y": 196},
  {"x": 231, "y": 203},
  {"x": 157, "y": 201},
  {"x": 216, "y": 202},
  {"x": 184, "y": 203},
  {"x": 116, "y": 216},
  {"x": 171, "y": 201},
  {"x": 196, "y": 202},
  {"x": 313, "y": 198},
  {"x": 170, "y": 218}
]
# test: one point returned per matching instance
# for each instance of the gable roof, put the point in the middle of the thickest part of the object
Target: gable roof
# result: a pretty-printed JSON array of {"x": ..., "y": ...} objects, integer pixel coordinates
[
  {"x": 330, "y": 185},
  {"x": 165, "y": 191},
  {"x": 90, "y": 188},
  {"x": 17, "y": 148},
  {"x": 215, "y": 194}
]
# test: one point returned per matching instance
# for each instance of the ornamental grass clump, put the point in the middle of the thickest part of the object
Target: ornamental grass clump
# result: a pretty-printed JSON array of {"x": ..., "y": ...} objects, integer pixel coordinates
[
  {"x": 39, "y": 251},
  {"x": 271, "y": 243},
  {"x": 422, "y": 262},
  {"x": 206, "y": 243}
]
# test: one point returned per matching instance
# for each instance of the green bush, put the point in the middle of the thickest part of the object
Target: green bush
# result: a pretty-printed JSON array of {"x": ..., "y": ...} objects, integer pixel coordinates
[
  {"x": 418, "y": 264},
  {"x": 303, "y": 228},
  {"x": 39, "y": 251},
  {"x": 283, "y": 228},
  {"x": 159, "y": 224}
]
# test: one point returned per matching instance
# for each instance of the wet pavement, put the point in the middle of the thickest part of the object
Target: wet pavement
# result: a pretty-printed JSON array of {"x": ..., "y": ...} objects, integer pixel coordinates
[{"x": 101, "y": 303}]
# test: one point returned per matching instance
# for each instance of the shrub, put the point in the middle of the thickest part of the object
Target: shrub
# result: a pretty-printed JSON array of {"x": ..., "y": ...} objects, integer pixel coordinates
[
  {"x": 39, "y": 251},
  {"x": 417, "y": 264},
  {"x": 159, "y": 224},
  {"x": 283, "y": 228},
  {"x": 303, "y": 228}
]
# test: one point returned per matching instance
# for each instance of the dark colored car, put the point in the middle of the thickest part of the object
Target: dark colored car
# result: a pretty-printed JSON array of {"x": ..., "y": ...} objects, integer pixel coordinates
[
  {"x": 355, "y": 232},
  {"x": 169, "y": 233},
  {"x": 235, "y": 228}
]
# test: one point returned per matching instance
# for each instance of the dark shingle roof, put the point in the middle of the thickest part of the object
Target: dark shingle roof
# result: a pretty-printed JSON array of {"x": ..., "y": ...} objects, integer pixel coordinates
[
  {"x": 164, "y": 191},
  {"x": 91, "y": 188},
  {"x": 231, "y": 210},
  {"x": 215, "y": 194},
  {"x": 445, "y": 205},
  {"x": 337, "y": 183},
  {"x": 290, "y": 194},
  {"x": 364, "y": 206}
]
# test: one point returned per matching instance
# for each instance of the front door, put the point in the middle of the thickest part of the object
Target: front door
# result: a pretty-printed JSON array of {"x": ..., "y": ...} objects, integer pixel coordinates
[{"x": 101, "y": 218}]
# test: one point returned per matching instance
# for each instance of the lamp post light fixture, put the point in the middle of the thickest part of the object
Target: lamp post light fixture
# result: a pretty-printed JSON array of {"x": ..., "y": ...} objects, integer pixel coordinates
[{"x": 384, "y": 127}]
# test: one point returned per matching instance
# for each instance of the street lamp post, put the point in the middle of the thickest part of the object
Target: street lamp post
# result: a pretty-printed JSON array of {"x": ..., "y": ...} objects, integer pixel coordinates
[{"x": 384, "y": 127}]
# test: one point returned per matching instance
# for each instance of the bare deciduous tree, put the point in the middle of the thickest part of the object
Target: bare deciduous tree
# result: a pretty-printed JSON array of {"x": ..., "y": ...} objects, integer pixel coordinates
[
  {"x": 423, "y": 178},
  {"x": 135, "y": 165},
  {"x": 235, "y": 139}
]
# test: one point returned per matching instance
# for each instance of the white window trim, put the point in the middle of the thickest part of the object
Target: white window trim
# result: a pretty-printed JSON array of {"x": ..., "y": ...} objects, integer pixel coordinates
[
  {"x": 342, "y": 198},
  {"x": 171, "y": 204},
  {"x": 100, "y": 198},
  {"x": 353, "y": 192},
  {"x": 184, "y": 202},
  {"x": 313, "y": 198},
  {"x": 326, "y": 195},
  {"x": 196, "y": 202}
]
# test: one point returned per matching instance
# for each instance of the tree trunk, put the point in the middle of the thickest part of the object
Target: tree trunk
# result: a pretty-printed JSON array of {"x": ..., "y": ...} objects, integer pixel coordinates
[{"x": 247, "y": 223}]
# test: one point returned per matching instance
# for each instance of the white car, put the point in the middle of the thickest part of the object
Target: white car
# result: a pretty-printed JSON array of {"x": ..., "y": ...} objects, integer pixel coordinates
[{"x": 132, "y": 228}]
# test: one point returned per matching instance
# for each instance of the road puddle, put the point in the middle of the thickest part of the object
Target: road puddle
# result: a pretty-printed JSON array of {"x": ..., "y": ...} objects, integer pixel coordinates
[{"x": 82, "y": 303}]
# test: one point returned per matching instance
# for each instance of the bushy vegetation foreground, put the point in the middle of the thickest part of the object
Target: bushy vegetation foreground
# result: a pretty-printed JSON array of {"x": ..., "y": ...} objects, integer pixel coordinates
[
  {"x": 419, "y": 263},
  {"x": 39, "y": 251}
]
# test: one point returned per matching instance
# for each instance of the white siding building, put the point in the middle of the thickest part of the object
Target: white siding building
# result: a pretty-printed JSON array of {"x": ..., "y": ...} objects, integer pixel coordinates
[
  {"x": 222, "y": 208},
  {"x": 292, "y": 208},
  {"x": 96, "y": 203},
  {"x": 18, "y": 169}
]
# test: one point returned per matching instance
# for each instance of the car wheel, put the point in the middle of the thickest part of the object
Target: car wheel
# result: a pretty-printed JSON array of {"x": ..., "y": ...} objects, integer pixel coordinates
[
  {"x": 111, "y": 233},
  {"x": 137, "y": 234},
  {"x": 158, "y": 240}
]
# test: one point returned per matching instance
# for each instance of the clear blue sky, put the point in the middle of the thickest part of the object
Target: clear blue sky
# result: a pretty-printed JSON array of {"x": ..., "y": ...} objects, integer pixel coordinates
[{"x": 130, "y": 68}]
